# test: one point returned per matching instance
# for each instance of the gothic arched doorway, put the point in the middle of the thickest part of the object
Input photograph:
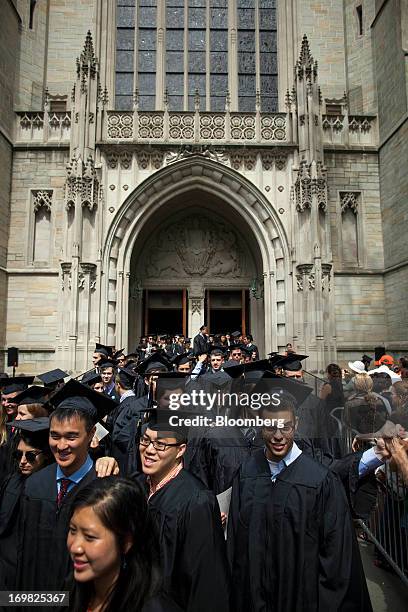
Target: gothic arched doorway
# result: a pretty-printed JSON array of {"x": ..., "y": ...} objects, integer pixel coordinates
[
  {"x": 196, "y": 261},
  {"x": 206, "y": 190}
]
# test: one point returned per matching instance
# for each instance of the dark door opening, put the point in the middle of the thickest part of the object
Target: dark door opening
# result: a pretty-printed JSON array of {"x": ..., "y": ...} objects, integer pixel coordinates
[
  {"x": 165, "y": 321},
  {"x": 164, "y": 312},
  {"x": 227, "y": 311}
]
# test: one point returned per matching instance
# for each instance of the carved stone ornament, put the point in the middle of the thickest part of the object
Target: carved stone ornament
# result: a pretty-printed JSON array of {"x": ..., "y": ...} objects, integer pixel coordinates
[
  {"x": 66, "y": 278},
  {"x": 349, "y": 199},
  {"x": 42, "y": 199},
  {"x": 326, "y": 269},
  {"x": 82, "y": 184},
  {"x": 196, "y": 306},
  {"x": 87, "y": 269},
  {"x": 305, "y": 277},
  {"x": 81, "y": 281},
  {"x": 310, "y": 182},
  {"x": 194, "y": 246},
  {"x": 186, "y": 151}
]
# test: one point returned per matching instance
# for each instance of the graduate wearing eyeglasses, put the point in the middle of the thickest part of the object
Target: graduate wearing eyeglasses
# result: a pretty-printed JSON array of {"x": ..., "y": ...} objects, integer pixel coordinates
[{"x": 192, "y": 544}]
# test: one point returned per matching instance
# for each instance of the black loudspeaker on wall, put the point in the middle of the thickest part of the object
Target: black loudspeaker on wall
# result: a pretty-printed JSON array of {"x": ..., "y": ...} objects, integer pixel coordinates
[
  {"x": 12, "y": 357},
  {"x": 379, "y": 352}
]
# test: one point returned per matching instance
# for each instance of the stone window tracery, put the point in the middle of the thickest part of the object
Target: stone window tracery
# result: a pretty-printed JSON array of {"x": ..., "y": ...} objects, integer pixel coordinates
[{"x": 203, "y": 48}]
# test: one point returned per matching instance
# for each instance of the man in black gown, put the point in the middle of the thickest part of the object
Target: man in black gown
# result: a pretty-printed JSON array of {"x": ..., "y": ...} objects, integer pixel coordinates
[
  {"x": 292, "y": 545},
  {"x": 188, "y": 518}
]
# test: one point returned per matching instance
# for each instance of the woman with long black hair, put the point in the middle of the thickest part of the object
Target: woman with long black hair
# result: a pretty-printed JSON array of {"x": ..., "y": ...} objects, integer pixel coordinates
[{"x": 113, "y": 546}]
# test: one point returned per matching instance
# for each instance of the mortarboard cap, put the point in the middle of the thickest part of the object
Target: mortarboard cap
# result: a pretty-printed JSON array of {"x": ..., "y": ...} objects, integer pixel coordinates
[
  {"x": 31, "y": 425},
  {"x": 118, "y": 353},
  {"x": 169, "y": 381},
  {"x": 218, "y": 347},
  {"x": 52, "y": 377},
  {"x": 290, "y": 362},
  {"x": 37, "y": 430},
  {"x": 91, "y": 378},
  {"x": 170, "y": 423},
  {"x": 236, "y": 334},
  {"x": 107, "y": 363},
  {"x": 273, "y": 383},
  {"x": 236, "y": 370},
  {"x": 156, "y": 361},
  {"x": 218, "y": 380},
  {"x": 17, "y": 383},
  {"x": 181, "y": 359},
  {"x": 72, "y": 390},
  {"x": 127, "y": 376},
  {"x": 33, "y": 395},
  {"x": 103, "y": 349}
]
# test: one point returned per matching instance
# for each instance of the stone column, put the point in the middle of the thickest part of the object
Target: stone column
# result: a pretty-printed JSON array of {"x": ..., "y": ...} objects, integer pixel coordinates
[{"x": 195, "y": 308}]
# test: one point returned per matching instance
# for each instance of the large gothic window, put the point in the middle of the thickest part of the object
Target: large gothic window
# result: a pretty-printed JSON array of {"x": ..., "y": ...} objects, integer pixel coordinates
[{"x": 196, "y": 50}]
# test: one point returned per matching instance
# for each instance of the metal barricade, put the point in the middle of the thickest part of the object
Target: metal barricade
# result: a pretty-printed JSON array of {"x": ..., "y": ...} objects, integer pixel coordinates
[{"x": 387, "y": 526}]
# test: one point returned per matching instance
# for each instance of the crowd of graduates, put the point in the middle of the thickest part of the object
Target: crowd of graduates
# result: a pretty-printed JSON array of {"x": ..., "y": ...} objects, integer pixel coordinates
[{"x": 104, "y": 496}]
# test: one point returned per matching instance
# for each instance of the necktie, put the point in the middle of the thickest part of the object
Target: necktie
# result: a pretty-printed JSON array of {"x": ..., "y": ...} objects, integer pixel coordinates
[{"x": 64, "y": 484}]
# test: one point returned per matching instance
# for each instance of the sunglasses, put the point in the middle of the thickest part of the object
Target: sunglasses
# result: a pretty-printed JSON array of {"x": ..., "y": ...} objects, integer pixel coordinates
[{"x": 30, "y": 456}]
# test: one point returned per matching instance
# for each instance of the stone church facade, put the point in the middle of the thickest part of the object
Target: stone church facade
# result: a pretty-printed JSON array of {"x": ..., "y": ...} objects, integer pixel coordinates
[{"x": 241, "y": 163}]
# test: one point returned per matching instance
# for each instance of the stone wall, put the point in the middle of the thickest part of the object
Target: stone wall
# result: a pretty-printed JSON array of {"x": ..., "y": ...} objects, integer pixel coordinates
[
  {"x": 322, "y": 21},
  {"x": 9, "y": 54},
  {"x": 69, "y": 22},
  {"x": 360, "y": 317},
  {"x": 359, "y": 173},
  {"x": 390, "y": 68},
  {"x": 359, "y": 59},
  {"x": 31, "y": 85},
  {"x": 394, "y": 199},
  {"x": 390, "y": 39},
  {"x": 32, "y": 322},
  {"x": 36, "y": 170}
]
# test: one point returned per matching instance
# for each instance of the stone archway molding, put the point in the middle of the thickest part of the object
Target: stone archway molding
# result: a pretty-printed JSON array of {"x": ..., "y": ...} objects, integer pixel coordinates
[{"x": 198, "y": 173}]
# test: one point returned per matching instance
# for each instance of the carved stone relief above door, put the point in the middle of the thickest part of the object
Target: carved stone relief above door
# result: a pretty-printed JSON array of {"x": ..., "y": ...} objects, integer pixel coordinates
[{"x": 195, "y": 246}]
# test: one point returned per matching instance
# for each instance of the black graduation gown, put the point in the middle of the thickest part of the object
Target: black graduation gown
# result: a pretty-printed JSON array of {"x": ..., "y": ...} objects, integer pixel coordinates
[
  {"x": 44, "y": 561},
  {"x": 361, "y": 492},
  {"x": 201, "y": 345},
  {"x": 7, "y": 465},
  {"x": 217, "y": 456},
  {"x": 291, "y": 543},
  {"x": 10, "y": 496},
  {"x": 192, "y": 544},
  {"x": 161, "y": 603},
  {"x": 125, "y": 446}
]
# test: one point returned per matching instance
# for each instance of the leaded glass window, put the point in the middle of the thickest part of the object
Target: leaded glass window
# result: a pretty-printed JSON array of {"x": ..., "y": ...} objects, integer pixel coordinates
[{"x": 196, "y": 53}]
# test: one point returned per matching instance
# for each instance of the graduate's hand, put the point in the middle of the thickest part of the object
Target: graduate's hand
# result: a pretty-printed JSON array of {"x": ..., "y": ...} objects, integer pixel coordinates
[
  {"x": 398, "y": 449},
  {"x": 106, "y": 466},
  {"x": 224, "y": 517},
  {"x": 381, "y": 449},
  {"x": 95, "y": 442},
  {"x": 202, "y": 358}
]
